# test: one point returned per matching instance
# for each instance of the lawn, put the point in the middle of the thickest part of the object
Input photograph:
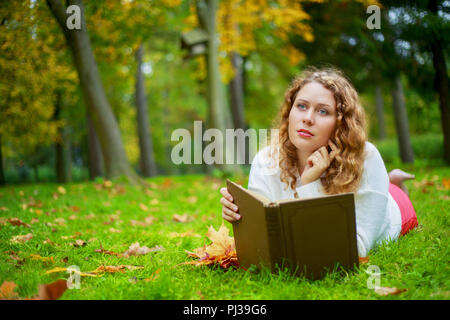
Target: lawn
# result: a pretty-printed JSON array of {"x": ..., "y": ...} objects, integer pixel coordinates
[{"x": 112, "y": 216}]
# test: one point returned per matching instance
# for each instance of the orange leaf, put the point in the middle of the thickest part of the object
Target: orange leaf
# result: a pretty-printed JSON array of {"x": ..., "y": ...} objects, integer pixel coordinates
[
  {"x": 363, "y": 260},
  {"x": 153, "y": 276},
  {"x": 446, "y": 183},
  {"x": 51, "y": 291},
  {"x": 221, "y": 251},
  {"x": 7, "y": 290}
]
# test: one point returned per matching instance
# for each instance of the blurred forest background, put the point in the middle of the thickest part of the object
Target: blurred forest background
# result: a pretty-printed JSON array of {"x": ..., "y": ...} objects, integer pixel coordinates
[{"x": 104, "y": 100}]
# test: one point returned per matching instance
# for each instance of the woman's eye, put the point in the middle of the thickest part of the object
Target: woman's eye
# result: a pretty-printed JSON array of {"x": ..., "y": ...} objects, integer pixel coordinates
[
  {"x": 323, "y": 111},
  {"x": 302, "y": 106}
]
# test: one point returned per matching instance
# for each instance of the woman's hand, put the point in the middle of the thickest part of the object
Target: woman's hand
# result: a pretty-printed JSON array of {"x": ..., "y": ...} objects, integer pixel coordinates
[
  {"x": 229, "y": 209},
  {"x": 318, "y": 162}
]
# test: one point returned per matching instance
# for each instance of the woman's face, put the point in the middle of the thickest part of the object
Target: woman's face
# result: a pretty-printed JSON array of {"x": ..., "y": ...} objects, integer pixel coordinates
[{"x": 313, "y": 117}]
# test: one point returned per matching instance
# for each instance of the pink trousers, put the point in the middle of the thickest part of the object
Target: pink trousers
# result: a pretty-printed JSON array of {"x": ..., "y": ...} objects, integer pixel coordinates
[{"x": 409, "y": 217}]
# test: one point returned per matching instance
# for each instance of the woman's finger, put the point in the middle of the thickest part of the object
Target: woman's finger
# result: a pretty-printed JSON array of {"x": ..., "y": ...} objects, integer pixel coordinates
[
  {"x": 226, "y": 194},
  {"x": 229, "y": 215},
  {"x": 228, "y": 204},
  {"x": 334, "y": 149}
]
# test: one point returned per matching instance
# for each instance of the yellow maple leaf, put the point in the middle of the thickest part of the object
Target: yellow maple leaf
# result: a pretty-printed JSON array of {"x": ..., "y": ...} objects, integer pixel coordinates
[{"x": 221, "y": 251}]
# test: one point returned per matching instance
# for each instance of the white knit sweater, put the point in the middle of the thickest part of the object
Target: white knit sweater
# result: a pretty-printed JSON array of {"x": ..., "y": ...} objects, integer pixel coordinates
[{"x": 378, "y": 216}]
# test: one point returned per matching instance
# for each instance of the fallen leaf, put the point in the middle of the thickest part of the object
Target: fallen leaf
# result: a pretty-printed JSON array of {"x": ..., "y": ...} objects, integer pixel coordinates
[
  {"x": 444, "y": 197},
  {"x": 446, "y": 183},
  {"x": 363, "y": 260},
  {"x": 154, "y": 202},
  {"x": 189, "y": 233},
  {"x": 221, "y": 251},
  {"x": 384, "y": 291},
  {"x": 82, "y": 274},
  {"x": 192, "y": 199},
  {"x": 153, "y": 276},
  {"x": 43, "y": 259},
  {"x": 113, "y": 269},
  {"x": 114, "y": 230},
  {"x": 18, "y": 222},
  {"x": 4, "y": 209},
  {"x": 108, "y": 252},
  {"x": 167, "y": 183},
  {"x": 7, "y": 290},
  {"x": 78, "y": 243},
  {"x": 62, "y": 190},
  {"x": 135, "y": 250},
  {"x": 143, "y": 207},
  {"x": 75, "y": 208},
  {"x": 184, "y": 218},
  {"x": 21, "y": 238}
]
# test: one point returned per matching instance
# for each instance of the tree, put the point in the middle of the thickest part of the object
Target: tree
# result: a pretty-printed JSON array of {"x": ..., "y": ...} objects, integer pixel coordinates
[
  {"x": 147, "y": 160},
  {"x": 116, "y": 162}
]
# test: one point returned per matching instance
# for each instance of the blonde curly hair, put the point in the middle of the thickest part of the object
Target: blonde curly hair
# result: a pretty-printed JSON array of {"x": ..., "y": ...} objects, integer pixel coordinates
[{"x": 345, "y": 171}]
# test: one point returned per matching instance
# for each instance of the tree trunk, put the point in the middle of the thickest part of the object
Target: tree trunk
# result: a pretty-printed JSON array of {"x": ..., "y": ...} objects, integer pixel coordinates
[
  {"x": 401, "y": 122},
  {"x": 147, "y": 161},
  {"x": 2, "y": 173},
  {"x": 441, "y": 85},
  {"x": 218, "y": 113},
  {"x": 62, "y": 145},
  {"x": 94, "y": 152},
  {"x": 106, "y": 125},
  {"x": 237, "y": 93},
  {"x": 380, "y": 113}
]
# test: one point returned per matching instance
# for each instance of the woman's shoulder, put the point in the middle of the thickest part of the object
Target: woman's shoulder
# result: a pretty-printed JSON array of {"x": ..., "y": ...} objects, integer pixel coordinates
[{"x": 370, "y": 150}]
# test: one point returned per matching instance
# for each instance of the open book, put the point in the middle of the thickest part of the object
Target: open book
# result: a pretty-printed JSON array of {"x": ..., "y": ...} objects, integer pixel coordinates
[{"x": 309, "y": 236}]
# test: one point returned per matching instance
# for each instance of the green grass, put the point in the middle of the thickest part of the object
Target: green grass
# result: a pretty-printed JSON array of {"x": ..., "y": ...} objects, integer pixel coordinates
[{"x": 417, "y": 262}]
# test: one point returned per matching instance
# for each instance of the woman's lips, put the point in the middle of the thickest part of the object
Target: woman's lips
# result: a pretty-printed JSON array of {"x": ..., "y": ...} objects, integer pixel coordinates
[{"x": 305, "y": 133}]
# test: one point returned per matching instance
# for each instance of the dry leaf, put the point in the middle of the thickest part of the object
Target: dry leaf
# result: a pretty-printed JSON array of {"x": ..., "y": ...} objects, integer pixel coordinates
[
  {"x": 113, "y": 269},
  {"x": 184, "y": 218},
  {"x": 78, "y": 243},
  {"x": 136, "y": 250},
  {"x": 446, "y": 183},
  {"x": 18, "y": 222},
  {"x": 61, "y": 190},
  {"x": 153, "y": 276},
  {"x": 192, "y": 199},
  {"x": 7, "y": 290},
  {"x": 148, "y": 221},
  {"x": 154, "y": 202},
  {"x": 82, "y": 274},
  {"x": 114, "y": 230},
  {"x": 4, "y": 209},
  {"x": 221, "y": 251},
  {"x": 21, "y": 238},
  {"x": 384, "y": 291},
  {"x": 143, "y": 207},
  {"x": 189, "y": 233},
  {"x": 43, "y": 259},
  {"x": 51, "y": 291},
  {"x": 363, "y": 260}
]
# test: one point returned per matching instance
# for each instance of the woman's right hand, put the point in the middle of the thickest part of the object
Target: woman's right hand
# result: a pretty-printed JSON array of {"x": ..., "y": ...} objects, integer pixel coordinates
[{"x": 229, "y": 209}]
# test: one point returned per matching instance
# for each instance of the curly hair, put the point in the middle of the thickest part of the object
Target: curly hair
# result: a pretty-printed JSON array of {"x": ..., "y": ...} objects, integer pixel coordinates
[{"x": 345, "y": 171}]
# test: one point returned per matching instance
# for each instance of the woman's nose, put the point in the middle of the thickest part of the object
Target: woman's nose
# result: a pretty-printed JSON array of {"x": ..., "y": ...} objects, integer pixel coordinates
[{"x": 309, "y": 117}]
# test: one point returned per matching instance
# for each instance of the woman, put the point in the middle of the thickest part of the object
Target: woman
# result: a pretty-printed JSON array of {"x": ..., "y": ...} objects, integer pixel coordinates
[{"x": 323, "y": 150}]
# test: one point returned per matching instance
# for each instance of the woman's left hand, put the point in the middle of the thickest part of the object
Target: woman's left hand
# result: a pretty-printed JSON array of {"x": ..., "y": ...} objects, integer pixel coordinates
[{"x": 318, "y": 162}]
